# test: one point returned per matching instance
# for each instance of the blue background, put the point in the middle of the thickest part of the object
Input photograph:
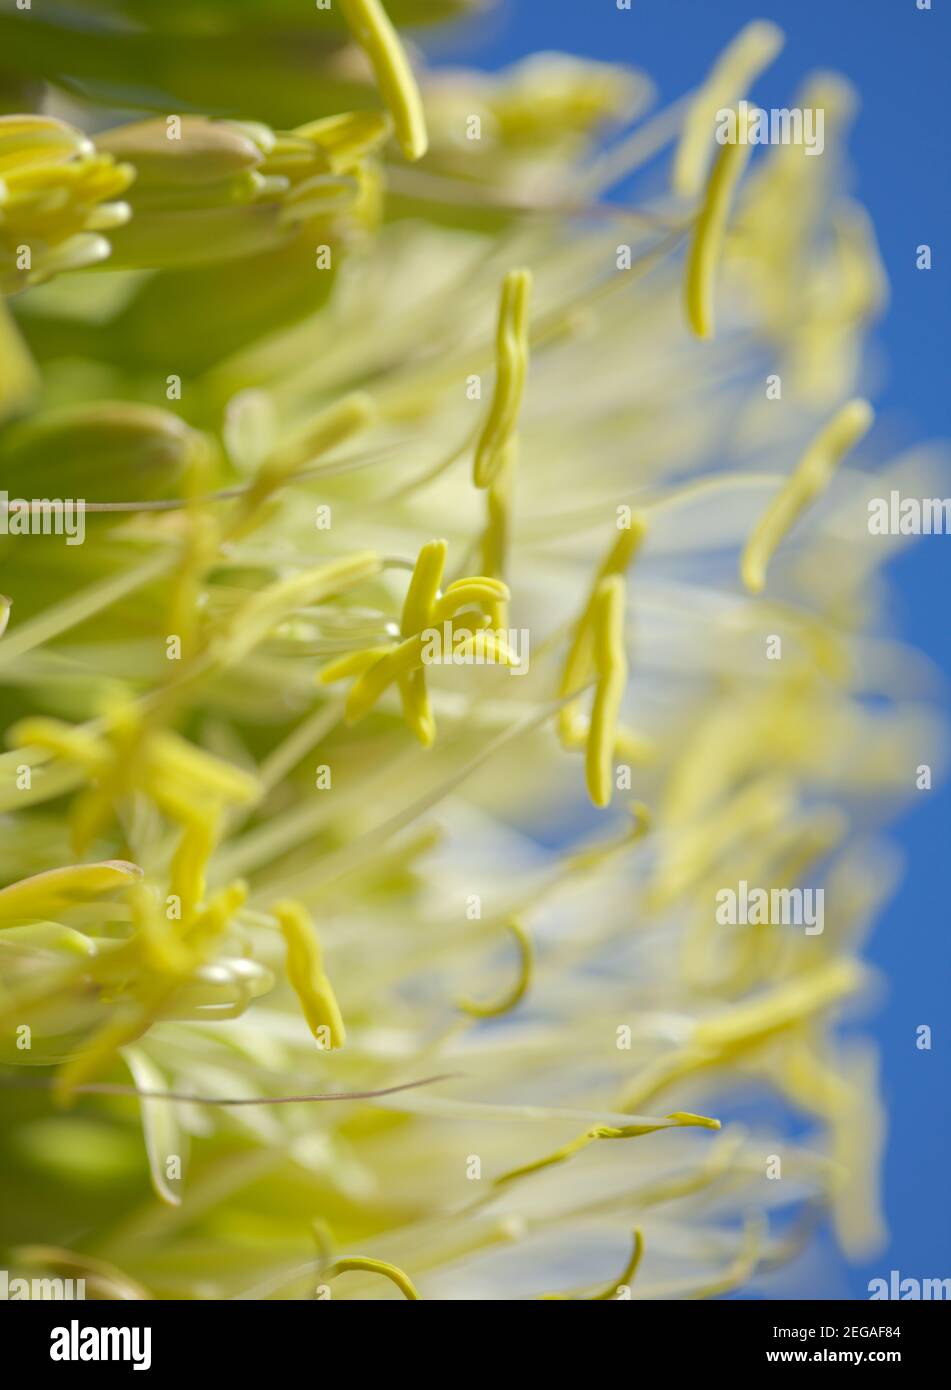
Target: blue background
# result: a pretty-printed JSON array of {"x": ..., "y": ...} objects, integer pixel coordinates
[{"x": 899, "y": 59}]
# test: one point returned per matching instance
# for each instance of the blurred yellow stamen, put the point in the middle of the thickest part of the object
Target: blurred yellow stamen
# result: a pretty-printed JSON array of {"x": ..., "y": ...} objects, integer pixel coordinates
[
  {"x": 703, "y": 259},
  {"x": 679, "y": 1119},
  {"x": 520, "y": 988},
  {"x": 396, "y": 1276},
  {"x": 611, "y": 666},
  {"x": 511, "y": 367},
  {"x": 809, "y": 479},
  {"x": 45, "y": 895},
  {"x": 370, "y": 26},
  {"x": 306, "y": 973},
  {"x": 741, "y": 62}
]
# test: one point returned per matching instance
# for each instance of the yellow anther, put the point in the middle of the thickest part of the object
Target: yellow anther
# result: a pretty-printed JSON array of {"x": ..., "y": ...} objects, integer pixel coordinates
[
  {"x": 161, "y": 950},
  {"x": 423, "y": 588},
  {"x": 347, "y": 138},
  {"x": 398, "y": 661},
  {"x": 189, "y": 863},
  {"x": 352, "y": 1263},
  {"x": 306, "y": 973},
  {"x": 331, "y": 427},
  {"x": 611, "y": 666},
  {"x": 734, "y": 1032},
  {"x": 468, "y": 593},
  {"x": 486, "y": 646},
  {"x": 91, "y": 752},
  {"x": 808, "y": 480},
  {"x": 516, "y": 994},
  {"x": 170, "y": 756},
  {"x": 45, "y": 895},
  {"x": 417, "y": 614},
  {"x": 353, "y": 664},
  {"x": 678, "y": 1120},
  {"x": 496, "y": 536},
  {"x": 741, "y": 62},
  {"x": 511, "y": 366},
  {"x": 703, "y": 258},
  {"x": 371, "y": 27},
  {"x": 424, "y": 618},
  {"x": 214, "y": 918},
  {"x": 579, "y": 666}
]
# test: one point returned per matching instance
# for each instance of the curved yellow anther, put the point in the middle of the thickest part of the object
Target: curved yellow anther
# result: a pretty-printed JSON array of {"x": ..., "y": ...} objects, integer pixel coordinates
[
  {"x": 517, "y": 993},
  {"x": 511, "y": 367},
  {"x": 391, "y": 1272},
  {"x": 679, "y": 1119},
  {"x": 809, "y": 478},
  {"x": 465, "y": 593},
  {"x": 398, "y": 661},
  {"x": 703, "y": 259},
  {"x": 45, "y": 895},
  {"x": 579, "y": 665},
  {"x": 306, "y": 973},
  {"x": 353, "y": 664},
  {"x": 740, "y": 63},
  {"x": 91, "y": 752},
  {"x": 371, "y": 27},
  {"x": 418, "y": 614},
  {"x": 611, "y": 666}
]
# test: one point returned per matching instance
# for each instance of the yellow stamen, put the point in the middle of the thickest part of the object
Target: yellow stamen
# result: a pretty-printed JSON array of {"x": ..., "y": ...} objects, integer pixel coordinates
[
  {"x": 623, "y": 1280},
  {"x": 370, "y": 26},
  {"x": 810, "y": 478},
  {"x": 518, "y": 991},
  {"x": 187, "y": 876},
  {"x": 511, "y": 366},
  {"x": 611, "y": 665},
  {"x": 391, "y": 1272},
  {"x": 579, "y": 666},
  {"x": 679, "y": 1119},
  {"x": 423, "y": 588},
  {"x": 709, "y": 232},
  {"x": 45, "y": 895},
  {"x": 306, "y": 973},
  {"x": 741, "y": 62}
]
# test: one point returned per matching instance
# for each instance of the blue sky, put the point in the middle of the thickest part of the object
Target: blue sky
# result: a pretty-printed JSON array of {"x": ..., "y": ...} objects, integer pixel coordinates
[{"x": 899, "y": 59}]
